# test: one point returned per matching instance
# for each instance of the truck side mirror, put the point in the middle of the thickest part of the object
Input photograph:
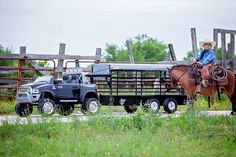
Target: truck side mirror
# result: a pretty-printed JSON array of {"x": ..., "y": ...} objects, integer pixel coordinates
[{"x": 57, "y": 81}]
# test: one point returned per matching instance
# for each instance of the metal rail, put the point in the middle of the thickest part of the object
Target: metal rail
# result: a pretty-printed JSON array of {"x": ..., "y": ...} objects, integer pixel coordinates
[{"x": 20, "y": 69}]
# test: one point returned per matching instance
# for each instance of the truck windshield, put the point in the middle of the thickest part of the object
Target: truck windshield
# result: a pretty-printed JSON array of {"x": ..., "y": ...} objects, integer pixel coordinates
[{"x": 45, "y": 79}]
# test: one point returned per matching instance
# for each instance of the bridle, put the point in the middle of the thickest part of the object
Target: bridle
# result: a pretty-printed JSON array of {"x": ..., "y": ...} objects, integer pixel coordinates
[{"x": 179, "y": 77}]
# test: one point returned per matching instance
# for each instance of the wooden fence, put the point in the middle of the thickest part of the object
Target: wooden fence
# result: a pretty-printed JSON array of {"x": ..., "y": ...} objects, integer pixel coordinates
[{"x": 22, "y": 57}]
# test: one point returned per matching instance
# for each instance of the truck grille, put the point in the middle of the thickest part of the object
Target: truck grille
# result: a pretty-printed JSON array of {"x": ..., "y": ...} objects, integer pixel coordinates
[{"x": 25, "y": 89}]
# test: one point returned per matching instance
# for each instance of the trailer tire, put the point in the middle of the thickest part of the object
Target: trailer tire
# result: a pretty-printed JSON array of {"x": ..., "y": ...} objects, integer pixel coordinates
[
  {"x": 152, "y": 105},
  {"x": 130, "y": 108},
  {"x": 46, "y": 107},
  {"x": 66, "y": 109},
  {"x": 24, "y": 110},
  {"x": 90, "y": 106},
  {"x": 170, "y": 105}
]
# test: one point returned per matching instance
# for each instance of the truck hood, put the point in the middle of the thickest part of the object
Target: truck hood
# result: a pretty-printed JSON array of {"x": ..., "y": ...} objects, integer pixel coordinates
[{"x": 32, "y": 85}]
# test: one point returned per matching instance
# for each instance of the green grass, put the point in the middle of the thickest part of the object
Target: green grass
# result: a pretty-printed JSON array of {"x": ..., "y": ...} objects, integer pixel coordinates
[
  {"x": 8, "y": 107},
  {"x": 140, "y": 135}
]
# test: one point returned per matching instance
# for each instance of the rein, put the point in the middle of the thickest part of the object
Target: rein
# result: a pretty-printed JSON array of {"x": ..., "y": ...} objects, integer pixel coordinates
[{"x": 182, "y": 75}]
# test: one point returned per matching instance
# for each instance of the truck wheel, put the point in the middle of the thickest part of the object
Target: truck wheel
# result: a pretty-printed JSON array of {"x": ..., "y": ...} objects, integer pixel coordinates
[
  {"x": 152, "y": 105},
  {"x": 46, "y": 107},
  {"x": 90, "y": 106},
  {"x": 24, "y": 110},
  {"x": 170, "y": 105},
  {"x": 130, "y": 108},
  {"x": 66, "y": 109}
]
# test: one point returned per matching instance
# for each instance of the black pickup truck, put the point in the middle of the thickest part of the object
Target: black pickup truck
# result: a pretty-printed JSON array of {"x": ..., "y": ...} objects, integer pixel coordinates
[{"x": 61, "y": 95}]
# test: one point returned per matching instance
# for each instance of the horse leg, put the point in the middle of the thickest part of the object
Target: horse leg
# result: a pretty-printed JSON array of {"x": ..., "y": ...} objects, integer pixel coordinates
[{"x": 233, "y": 102}]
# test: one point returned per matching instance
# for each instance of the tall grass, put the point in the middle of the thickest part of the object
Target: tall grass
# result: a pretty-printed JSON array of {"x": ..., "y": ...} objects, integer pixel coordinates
[
  {"x": 7, "y": 107},
  {"x": 138, "y": 135}
]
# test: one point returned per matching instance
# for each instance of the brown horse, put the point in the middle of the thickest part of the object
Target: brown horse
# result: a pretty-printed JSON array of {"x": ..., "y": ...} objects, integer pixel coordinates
[{"x": 184, "y": 75}]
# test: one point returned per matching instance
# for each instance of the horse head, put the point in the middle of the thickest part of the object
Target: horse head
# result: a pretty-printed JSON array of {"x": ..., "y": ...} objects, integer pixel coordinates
[
  {"x": 176, "y": 72},
  {"x": 173, "y": 80}
]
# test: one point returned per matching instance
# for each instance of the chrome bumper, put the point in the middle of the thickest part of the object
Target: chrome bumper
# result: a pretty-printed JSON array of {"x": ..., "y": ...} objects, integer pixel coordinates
[{"x": 24, "y": 97}]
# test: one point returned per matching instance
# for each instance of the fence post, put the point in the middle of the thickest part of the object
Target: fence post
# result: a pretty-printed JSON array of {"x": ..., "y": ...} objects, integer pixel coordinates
[
  {"x": 62, "y": 48},
  {"x": 215, "y": 38},
  {"x": 194, "y": 42},
  {"x": 131, "y": 57},
  {"x": 172, "y": 52},
  {"x": 232, "y": 50},
  {"x": 223, "y": 44},
  {"x": 98, "y": 53},
  {"x": 77, "y": 63},
  {"x": 20, "y": 65}
]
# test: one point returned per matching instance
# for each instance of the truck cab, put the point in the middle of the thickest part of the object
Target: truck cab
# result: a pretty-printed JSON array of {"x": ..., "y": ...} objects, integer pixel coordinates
[{"x": 50, "y": 95}]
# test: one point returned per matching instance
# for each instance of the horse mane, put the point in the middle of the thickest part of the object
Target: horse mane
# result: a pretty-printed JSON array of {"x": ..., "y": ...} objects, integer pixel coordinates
[{"x": 180, "y": 65}]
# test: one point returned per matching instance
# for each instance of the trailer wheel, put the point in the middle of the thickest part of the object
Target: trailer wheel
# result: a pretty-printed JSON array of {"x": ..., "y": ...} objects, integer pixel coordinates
[
  {"x": 90, "y": 106},
  {"x": 130, "y": 108},
  {"x": 152, "y": 105},
  {"x": 46, "y": 107},
  {"x": 170, "y": 105},
  {"x": 24, "y": 110},
  {"x": 65, "y": 109}
]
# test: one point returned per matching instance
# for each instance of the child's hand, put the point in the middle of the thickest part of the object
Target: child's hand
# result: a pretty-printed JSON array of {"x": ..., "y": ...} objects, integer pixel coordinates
[
  {"x": 194, "y": 60},
  {"x": 199, "y": 64}
]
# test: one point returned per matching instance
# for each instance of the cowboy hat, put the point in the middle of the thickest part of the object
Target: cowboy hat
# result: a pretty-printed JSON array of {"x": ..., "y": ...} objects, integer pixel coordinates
[{"x": 213, "y": 43}]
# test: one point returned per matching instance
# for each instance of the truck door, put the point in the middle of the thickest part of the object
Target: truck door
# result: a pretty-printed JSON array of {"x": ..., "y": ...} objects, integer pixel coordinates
[{"x": 69, "y": 89}]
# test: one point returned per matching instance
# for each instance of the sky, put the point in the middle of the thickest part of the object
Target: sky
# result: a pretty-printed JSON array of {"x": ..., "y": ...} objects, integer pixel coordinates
[{"x": 41, "y": 25}]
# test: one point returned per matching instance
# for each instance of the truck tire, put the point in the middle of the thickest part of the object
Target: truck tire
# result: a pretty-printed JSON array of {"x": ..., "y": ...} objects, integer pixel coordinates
[
  {"x": 66, "y": 109},
  {"x": 130, "y": 108},
  {"x": 24, "y": 110},
  {"x": 170, "y": 105},
  {"x": 46, "y": 107},
  {"x": 90, "y": 106},
  {"x": 152, "y": 105}
]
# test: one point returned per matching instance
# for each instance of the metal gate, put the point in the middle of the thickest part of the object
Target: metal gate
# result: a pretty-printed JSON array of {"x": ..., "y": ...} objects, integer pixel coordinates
[{"x": 15, "y": 82}]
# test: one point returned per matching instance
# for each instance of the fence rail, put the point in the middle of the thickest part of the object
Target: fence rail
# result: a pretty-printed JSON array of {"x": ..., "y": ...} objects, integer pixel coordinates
[{"x": 22, "y": 57}]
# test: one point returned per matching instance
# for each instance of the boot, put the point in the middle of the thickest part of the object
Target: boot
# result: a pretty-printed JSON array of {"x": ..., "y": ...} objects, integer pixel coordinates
[{"x": 205, "y": 83}]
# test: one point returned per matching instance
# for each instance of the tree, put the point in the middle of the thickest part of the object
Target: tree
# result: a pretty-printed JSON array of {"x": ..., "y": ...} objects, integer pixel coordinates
[
  {"x": 189, "y": 56},
  {"x": 6, "y": 62},
  {"x": 144, "y": 48}
]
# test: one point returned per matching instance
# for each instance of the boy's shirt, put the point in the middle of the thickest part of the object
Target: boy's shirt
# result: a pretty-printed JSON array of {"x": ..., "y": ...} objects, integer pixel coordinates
[{"x": 206, "y": 57}]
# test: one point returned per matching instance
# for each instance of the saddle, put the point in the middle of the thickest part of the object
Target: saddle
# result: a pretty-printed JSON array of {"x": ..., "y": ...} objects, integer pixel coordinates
[{"x": 218, "y": 74}]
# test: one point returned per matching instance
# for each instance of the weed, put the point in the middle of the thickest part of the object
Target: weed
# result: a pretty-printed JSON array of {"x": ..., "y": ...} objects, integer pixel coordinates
[{"x": 137, "y": 135}]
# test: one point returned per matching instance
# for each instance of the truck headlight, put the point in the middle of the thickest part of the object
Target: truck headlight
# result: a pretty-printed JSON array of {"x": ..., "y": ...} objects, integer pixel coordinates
[{"x": 35, "y": 91}]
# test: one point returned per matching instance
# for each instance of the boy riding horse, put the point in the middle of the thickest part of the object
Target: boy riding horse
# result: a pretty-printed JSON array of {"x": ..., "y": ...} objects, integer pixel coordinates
[{"x": 205, "y": 60}]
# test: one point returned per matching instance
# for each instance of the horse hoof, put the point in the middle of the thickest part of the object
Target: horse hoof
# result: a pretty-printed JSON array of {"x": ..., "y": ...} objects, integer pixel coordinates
[{"x": 233, "y": 113}]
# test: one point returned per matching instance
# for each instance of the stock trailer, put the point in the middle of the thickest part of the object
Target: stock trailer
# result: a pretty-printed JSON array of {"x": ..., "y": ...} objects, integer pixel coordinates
[{"x": 131, "y": 85}]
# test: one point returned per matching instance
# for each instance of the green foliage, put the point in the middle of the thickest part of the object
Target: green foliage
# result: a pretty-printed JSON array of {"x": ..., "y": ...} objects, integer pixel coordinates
[
  {"x": 10, "y": 63},
  {"x": 138, "y": 135},
  {"x": 144, "y": 48},
  {"x": 189, "y": 56},
  {"x": 6, "y": 62},
  {"x": 36, "y": 73},
  {"x": 7, "y": 107}
]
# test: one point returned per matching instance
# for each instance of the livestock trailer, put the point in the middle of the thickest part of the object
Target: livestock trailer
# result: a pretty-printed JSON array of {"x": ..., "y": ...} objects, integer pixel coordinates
[{"x": 131, "y": 85}]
